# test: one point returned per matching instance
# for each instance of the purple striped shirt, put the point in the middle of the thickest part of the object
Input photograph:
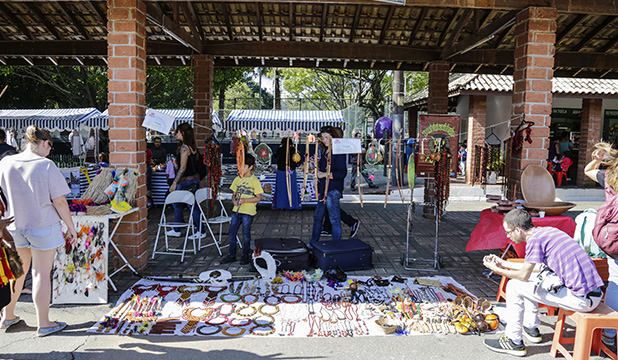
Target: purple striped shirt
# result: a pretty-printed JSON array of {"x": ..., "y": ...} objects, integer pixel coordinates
[{"x": 556, "y": 249}]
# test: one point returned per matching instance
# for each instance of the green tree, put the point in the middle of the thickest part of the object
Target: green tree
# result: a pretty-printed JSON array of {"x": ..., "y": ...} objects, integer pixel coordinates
[{"x": 169, "y": 87}]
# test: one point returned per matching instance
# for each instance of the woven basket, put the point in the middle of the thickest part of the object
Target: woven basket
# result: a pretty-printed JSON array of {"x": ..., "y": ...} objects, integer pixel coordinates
[{"x": 387, "y": 325}]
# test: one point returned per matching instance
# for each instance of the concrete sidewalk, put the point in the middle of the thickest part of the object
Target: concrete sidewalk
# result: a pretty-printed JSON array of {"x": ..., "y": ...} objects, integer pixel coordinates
[{"x": 383, "y": 228}]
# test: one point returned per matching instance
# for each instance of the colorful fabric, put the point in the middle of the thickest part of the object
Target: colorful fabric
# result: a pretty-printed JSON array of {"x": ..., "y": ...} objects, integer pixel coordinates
[
  {"x": 246, "y": 188},
  {"x": 565, "y": 257}
]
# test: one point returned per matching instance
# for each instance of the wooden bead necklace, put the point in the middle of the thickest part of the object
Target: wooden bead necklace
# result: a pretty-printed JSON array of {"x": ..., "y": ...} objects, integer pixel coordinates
[
  {"x": 240, "y": 330},
  {"x": 201, "y": 330},
  {"x": 239, "y": 322},
  {"x": 240, "y": 310},
  {"x": 263, "y": 309},
  {"x": 254, "y": 331},
  {"x": 259, "y": 321}
]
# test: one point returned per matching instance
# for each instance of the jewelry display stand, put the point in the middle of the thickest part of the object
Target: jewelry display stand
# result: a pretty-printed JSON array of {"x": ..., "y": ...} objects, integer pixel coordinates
[{"x": 424, "y": 264}]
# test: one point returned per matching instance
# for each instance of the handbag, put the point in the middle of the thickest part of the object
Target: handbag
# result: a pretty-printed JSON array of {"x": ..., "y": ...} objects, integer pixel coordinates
[{"x": 15, "y": 263}]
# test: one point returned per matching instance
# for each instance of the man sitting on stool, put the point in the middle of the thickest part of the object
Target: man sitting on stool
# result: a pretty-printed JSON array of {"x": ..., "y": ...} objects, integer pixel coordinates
[{"x": 574, "y": 284}]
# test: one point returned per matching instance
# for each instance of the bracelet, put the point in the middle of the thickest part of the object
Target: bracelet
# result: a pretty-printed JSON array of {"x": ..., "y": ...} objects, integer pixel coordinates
[
  {"x": 240, "y": 331},
  {"x": 277, "y": 300},
  {"x": 234, "y": 322},
  {"x": 244, "y": 299},
  {"x": 214, "y": 323},
  {"x": 239, "y": 311},
  {"x": 235, "y": 298},
  {"x": 261, "y": 309},
  {"x": 296, "y": 301},
  {"x": 272, "y": 321},
  {"x": 266, "y": 333},
  {"x": 201, "y": 331}
]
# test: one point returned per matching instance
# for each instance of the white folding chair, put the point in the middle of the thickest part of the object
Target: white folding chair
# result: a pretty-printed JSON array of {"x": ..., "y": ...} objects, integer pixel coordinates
[
  {"x": 205, "y": 194},
  {"x": 176, "y": 197}
]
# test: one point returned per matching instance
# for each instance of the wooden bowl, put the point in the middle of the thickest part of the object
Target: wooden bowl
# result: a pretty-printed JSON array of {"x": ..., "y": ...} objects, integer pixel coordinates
[
  {"x": 537, "y": 185},
  {"x": 551, "y": 209}
]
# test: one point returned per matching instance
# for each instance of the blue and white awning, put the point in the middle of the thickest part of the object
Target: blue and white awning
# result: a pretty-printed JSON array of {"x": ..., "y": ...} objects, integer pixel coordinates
[
  {"x": 51, "y": 119},
  {"x": 180, "y": 116},
  {"x": 282, "y": 120}
]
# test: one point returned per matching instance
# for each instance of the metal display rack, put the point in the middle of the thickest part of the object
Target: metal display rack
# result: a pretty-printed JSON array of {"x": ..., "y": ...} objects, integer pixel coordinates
[{"x": 429, "y": 264}]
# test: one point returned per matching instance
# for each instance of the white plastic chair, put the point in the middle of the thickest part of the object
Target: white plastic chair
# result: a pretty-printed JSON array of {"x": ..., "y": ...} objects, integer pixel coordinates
[
  {"x": 176, "y": 197},
  {"x": 205, "y": 194}
]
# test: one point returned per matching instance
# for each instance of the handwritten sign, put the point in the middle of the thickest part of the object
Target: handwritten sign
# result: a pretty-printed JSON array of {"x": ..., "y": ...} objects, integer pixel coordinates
[
  {"x": 346, "y": 146},
  {"x": 158, "y": 121}
]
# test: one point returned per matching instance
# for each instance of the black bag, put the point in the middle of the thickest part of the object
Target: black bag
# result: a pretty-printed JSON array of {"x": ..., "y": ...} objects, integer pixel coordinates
[
  {"x": 289, "y": 253},
  {"x": 350, "y": 254},
  {"x": 200, "y": 167}
]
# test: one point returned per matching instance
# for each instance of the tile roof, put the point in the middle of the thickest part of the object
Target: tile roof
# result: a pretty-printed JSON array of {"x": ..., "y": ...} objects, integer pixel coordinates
[{"x": 459, "y": 83}]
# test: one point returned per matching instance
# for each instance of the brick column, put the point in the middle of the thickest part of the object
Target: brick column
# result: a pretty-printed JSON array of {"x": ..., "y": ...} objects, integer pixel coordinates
[
  {"x": 535, "y": 37},
  {"x": 438, "y": 88},
  {"x": 203, "y": 69},
  {"x": 592, "y": 116},
  {"x": 126, "y": 54},
  {"x": 477, "y": 112}
]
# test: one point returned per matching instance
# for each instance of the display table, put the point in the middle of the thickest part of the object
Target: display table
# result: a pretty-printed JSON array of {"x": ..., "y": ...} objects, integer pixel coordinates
[
  {"x": 489, "y": 232},
  {"x": 80, "y": 274}
]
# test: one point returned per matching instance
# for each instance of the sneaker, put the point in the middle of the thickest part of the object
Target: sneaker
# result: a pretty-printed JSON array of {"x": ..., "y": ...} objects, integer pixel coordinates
[
  {"x": 533, "y": 335},
  {"x": 354, "y": 229},
  {"x": 325, "y": 233},
  {"x": 228, "y": 259},
  {"x": 506, "y": 346},
  {"x": 51, "y": 330},
  {"x": 172, "y": 233},
  {"x": 245, "y": 259},
  {"x": 197, "y": 236}
]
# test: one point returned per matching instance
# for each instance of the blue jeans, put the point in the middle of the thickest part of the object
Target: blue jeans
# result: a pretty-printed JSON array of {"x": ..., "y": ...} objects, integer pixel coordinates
[
  {"x": 246, "y": 233},
  {"x": 334, "y": 214},
  {"x": 179, "y": 208}
]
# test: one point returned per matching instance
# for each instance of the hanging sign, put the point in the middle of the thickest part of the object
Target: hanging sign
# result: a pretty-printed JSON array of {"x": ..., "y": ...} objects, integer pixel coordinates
[
  {"x": 158, "y": 121},
  {"x": 437, "y": 132},
  {"x": 346, "y": 146}
]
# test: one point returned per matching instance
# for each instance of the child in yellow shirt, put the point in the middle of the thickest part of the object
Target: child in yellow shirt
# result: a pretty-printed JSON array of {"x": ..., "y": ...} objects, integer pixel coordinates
[{"x": 247, "y": 193}]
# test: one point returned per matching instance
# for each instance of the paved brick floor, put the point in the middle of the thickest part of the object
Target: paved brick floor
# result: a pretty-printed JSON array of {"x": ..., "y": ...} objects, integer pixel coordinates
[{"x": 384, "y": 229}]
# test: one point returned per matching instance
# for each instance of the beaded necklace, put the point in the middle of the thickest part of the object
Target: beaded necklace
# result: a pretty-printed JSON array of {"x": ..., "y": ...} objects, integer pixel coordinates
[
  {"x": 201, "y": 331},
  {"x": 240, "y": 330},
  {"x": 164, "y": 290},
  {"x": 254, "y": 331},
  {"x": 187, "y": 291}
]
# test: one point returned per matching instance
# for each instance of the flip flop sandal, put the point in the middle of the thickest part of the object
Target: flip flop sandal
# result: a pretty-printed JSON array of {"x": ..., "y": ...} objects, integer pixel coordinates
[
  {"x": 8, "y": 323},
  {"x": 48, "y": 331}
]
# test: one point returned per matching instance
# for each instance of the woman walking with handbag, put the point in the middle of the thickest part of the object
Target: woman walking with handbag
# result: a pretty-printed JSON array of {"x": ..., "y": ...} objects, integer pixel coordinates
[{"x": 35, "y": 191}]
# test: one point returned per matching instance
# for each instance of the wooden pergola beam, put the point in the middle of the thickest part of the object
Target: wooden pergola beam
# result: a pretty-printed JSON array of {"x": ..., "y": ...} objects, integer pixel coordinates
[
  {"x": 156, "y": 16},
  {"x": 258, "y": 15},
  {"x": 355, "y": 22},
  {"x": 594, "y": 32},
  {"x": 457, "y": 30},
  {"x": 196, "y": 31},
  {"x": 386, "y": 25},
  {"x": 75, "y": 22},
  {"x": 50, "y": 27},
  {"x": 4, "y": 10},
  {"x": 567, "y": 29}
]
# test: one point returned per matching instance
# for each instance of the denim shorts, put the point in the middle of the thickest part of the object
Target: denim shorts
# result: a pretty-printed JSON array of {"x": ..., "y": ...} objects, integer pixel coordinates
[{"x": 46, "y": 238}]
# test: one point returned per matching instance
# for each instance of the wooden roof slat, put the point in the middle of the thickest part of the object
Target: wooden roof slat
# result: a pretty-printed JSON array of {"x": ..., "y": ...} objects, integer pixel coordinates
[
  {"x": 193, "y": 20},
  {"x": 449, "y": 22},
  {"x": 594, "y": 32},
  {"x": 228, "y": 24},
  {"x": 291, "y": 20},
  {"x": 154, "y": 15},
  {"x": 16, "y": 22},
  {"x": 569, "y": 27},
  {"x": 50, "y": 27},
  {"x": 457, "y": 30},
  {"x": 357, "y": 14},
  {"x": 386, "y": 25},
  {"x": 74, "y": 20},
  {"x": 95, "y": 9},
  {"x": 324, "y": 21},
  {"x": 417, "y": 25},
  {"x": 610, "y": 44},
  {"x": 258, "y": 15}
]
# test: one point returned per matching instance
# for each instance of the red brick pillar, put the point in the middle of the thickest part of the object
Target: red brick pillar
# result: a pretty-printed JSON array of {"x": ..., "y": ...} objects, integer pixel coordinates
[
  {"x": 592, "y": 116},
  {"x": 535, "y": 37},
  {"x": 438, "y": 88},
  {"x": 477, "y": 112},
  {"x": 126, "y": 57},
  {"x": 203, "y": 70}
]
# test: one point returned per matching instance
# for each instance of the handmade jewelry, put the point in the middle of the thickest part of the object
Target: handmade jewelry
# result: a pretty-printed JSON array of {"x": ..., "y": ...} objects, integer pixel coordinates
[
  {"x": 226, "y": 313},
  {"x": 201, "y": 331},
  {"x": 239, "y": 311},
  {"x": 240, "y": 330},
  {"x": 239, "y": 322},
  {"x": 189, "y": 327},
  {"x": 258, "y": 320},
  {"x": 164, "y": 290},
  {"x": 267, "y": 300},
  {"x": 262, "y": 309},
  {"x": 188, "y": 313},
  {"x": 248, "y": 302},
  {"x": 296, "y": 300},
  {"x": 234, "y": 298},
  {"x": 187, "y": 291},
  {"x": 213, "y": 293},
  {"x": 262, "y": 333},
  {"x": 140, "y": 289}
]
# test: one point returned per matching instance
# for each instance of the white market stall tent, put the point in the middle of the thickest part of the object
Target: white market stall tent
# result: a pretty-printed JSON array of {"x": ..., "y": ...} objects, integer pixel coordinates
[
  {"x": 282, "y": 120},
  {"x": 51, "y": 119},
  {"x": 180, "y": 115}
]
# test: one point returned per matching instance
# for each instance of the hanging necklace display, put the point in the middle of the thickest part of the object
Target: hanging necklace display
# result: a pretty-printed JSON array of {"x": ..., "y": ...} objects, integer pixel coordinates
[
  {"x": 288, "y": 184},
  {"x": 328, "y": 164},
  {"x": 373, "y": 155},
  {"x": 212, "y": 160},
  {"x": 508, "y": 193},
  {"x": 264, "y": 154},
  {"x": 399, "y": 169}
]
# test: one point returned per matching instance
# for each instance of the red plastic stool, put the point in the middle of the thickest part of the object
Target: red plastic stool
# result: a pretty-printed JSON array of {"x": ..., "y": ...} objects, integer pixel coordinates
[{"x": 588, "y": 328}]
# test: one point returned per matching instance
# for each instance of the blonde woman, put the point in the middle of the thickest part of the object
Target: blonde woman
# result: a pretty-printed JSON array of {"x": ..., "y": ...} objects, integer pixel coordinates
[{"x": 35, "y": 191}]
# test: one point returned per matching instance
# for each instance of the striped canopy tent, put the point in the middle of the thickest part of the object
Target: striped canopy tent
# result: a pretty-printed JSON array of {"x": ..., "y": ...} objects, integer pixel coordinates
[
  {"x": 51, "y": 119},
  {"x": 282, "y": 120},
  {"x": 180, "y": 116}
]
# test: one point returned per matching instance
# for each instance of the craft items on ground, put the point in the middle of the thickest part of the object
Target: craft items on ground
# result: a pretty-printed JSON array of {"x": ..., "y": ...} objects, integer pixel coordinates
[{"x": 298, "y": 305}]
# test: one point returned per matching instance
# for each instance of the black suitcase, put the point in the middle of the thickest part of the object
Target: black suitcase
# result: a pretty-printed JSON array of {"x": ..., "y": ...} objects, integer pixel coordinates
[
  {"x": 350, "y": 254},
  {"x": 289, "y": 253}
]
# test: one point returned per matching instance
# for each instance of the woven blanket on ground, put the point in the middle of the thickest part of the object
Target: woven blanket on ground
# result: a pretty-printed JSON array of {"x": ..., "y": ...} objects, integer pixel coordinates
[{"x": 289, "y": 309}]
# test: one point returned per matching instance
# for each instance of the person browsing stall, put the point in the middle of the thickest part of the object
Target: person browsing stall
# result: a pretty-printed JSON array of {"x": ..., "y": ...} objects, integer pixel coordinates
[
  {"x": 566, "y": 278},
  {"x": 604, "y": 154},
  {"x": 159, "y": 154},
  {"x": 35, "y": 190},
  {"x": 248, "y": 192},
  {"x": 328, "y": 197},
  {"x": 187, "y": 177}
]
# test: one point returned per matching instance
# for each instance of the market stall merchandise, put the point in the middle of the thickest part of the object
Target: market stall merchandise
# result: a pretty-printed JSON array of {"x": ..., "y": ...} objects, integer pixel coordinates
[{"x": 362, "y": 306}]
